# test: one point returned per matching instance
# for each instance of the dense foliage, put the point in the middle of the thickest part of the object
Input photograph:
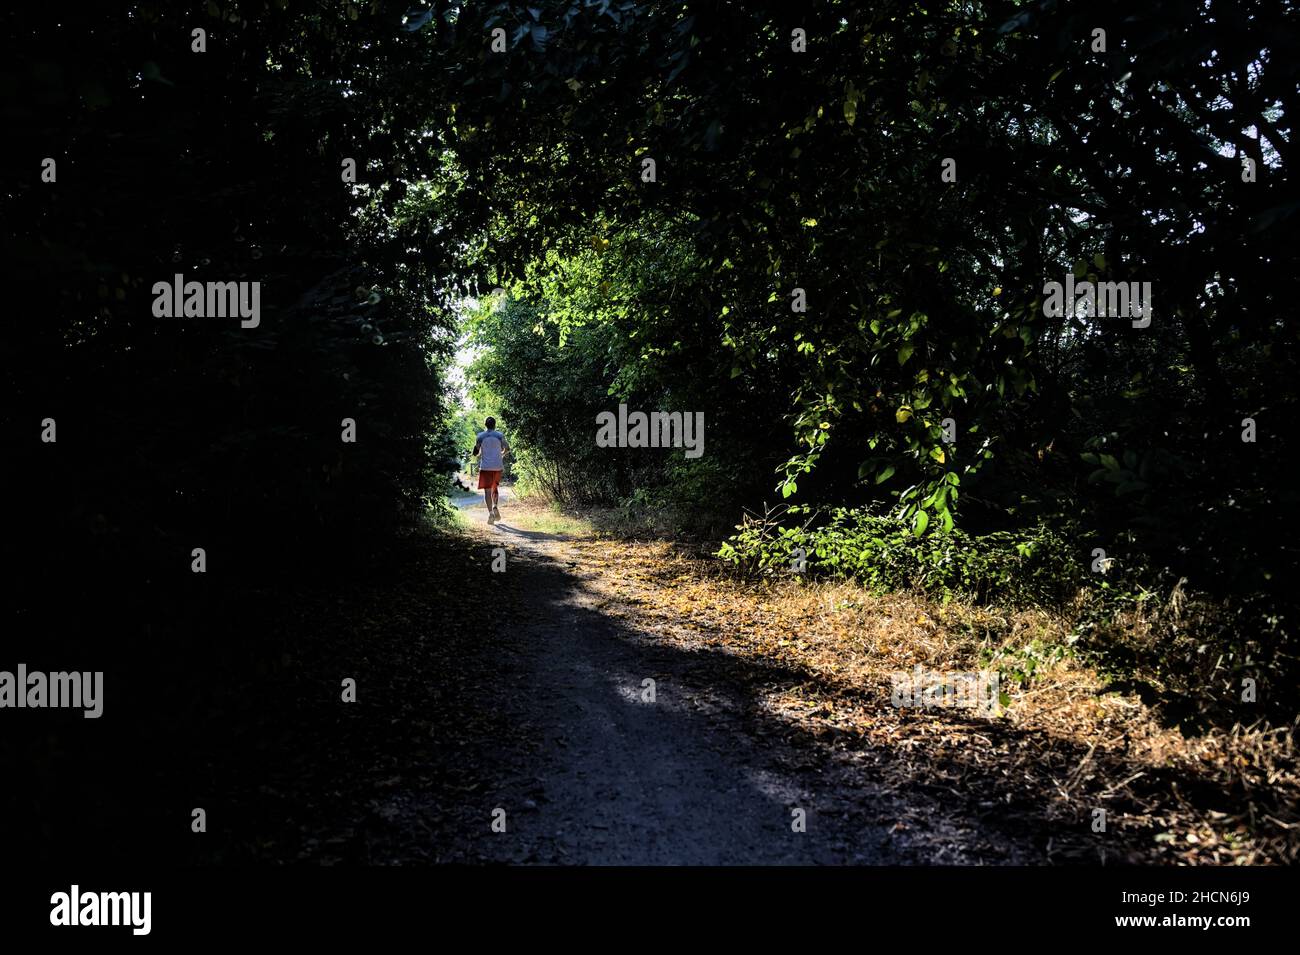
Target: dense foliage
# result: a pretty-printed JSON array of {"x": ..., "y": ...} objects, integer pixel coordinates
[
  {"x": 821, "y": 171},
  {"x": 1109, "y": 142},
  {"x": 219, "y": 165},
  {"x": 795, "y": 264}
]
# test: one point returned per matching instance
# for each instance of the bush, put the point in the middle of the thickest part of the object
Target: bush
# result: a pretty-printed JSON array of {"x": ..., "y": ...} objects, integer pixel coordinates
[
  {"x": 1187, "y": 652},
  {"x": 1016, "y": 568}
]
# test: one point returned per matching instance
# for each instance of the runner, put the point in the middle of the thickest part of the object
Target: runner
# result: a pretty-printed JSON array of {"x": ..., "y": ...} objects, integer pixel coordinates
[{"x": 492, "y": 448}]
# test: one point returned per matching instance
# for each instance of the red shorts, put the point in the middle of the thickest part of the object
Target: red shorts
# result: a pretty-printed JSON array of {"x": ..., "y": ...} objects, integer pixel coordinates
[{"x": 488, "y": 480}]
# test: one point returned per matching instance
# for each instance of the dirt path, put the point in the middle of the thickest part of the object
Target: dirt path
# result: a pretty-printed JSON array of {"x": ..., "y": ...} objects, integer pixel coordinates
[
  {"x": 688, "y": 777},
  {"x": 523, "y": 688},
  {"x": 505, "y": 496},
  {"x": 390, "y": 714}
]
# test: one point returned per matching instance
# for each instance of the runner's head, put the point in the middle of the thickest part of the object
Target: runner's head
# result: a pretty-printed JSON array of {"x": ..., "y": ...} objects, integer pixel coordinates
[{"x": 491, "y": 423}]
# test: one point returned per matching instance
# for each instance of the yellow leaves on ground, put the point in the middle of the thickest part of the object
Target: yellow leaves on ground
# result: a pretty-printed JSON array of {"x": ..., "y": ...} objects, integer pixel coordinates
[{"x": 824, "y": 654}]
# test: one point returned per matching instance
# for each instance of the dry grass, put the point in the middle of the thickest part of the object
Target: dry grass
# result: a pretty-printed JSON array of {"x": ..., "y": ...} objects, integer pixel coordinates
[{"x": 1062, "y": 748}]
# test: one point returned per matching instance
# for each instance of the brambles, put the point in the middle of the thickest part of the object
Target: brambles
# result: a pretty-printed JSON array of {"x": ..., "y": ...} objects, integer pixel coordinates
[{"x": 1034, "y": 568}]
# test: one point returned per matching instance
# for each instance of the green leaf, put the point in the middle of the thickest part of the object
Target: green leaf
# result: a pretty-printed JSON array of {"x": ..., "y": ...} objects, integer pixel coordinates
[
  {"x": 905, "y": 352},
  {"x": 921, "y": 523},
  {"x": 885, "y": 475}
]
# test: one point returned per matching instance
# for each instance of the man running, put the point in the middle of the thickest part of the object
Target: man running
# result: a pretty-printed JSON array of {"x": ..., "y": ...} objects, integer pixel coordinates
[{"x": 492, "y": 447}]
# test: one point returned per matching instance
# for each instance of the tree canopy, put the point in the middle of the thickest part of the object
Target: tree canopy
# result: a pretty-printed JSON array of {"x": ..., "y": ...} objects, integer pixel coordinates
[{"x": 831, "y": 226}]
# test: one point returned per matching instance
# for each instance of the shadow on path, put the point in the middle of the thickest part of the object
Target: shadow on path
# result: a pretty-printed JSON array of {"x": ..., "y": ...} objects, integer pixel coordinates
[
  {"x": 596, "y": 770},
  {"x": 703, "y": 771}
]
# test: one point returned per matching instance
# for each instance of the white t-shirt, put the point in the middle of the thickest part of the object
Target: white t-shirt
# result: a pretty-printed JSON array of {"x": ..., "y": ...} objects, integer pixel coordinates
[{"x": 490, "y": 444}]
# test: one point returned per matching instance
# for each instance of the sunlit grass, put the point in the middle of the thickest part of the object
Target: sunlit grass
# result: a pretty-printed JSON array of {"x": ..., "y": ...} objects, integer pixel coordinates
[{"x": 545, "y": 519}]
